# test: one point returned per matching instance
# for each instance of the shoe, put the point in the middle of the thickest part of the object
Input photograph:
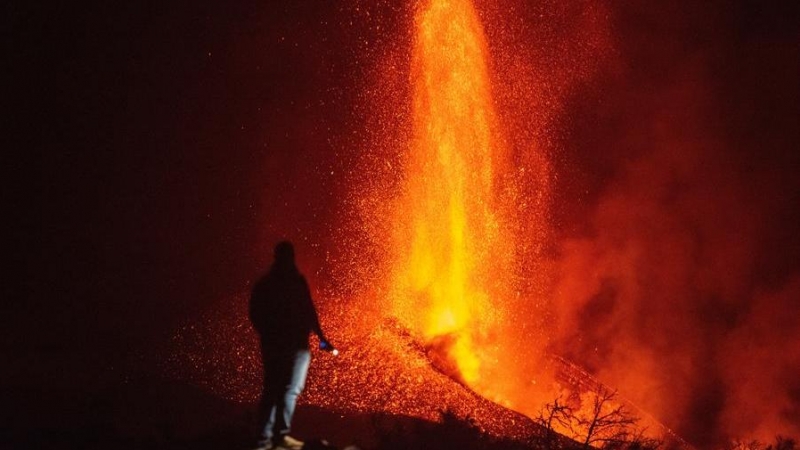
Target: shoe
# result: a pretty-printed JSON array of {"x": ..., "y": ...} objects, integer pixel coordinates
[{"x": 287, "y": 442}]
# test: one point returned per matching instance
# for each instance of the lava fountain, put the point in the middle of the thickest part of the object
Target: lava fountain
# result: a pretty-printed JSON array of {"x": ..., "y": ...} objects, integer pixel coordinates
[{"x": 452, "y": 255}]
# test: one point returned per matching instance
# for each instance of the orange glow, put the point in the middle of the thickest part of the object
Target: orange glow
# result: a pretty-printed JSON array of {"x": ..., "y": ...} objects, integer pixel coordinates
[{"x": 451, "y": 251}]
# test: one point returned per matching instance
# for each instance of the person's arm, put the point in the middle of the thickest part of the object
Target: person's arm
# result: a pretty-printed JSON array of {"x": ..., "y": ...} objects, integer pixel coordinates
[{"x": 311, "y": 313}]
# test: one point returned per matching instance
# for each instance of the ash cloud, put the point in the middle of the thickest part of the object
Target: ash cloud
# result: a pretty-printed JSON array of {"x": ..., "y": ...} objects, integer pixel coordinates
[{"x": 678, "y": 280}]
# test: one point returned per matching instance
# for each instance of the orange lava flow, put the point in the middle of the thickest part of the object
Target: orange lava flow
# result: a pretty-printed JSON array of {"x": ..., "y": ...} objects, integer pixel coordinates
[{"x": 451, "y": 252}]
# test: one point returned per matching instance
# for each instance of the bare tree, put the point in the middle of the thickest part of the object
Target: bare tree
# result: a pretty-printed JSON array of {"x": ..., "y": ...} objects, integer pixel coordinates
[
  {"x": 558, "y": 412},
  {"x": 604, "y": 423}
]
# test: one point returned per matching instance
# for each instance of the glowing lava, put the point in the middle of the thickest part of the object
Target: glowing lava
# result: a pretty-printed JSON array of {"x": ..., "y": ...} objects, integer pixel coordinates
[{"x": 451, "y": 252}]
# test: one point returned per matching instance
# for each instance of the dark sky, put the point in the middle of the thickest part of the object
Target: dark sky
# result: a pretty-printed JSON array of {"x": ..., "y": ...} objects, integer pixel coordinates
[{"x": 171, "y": 144}]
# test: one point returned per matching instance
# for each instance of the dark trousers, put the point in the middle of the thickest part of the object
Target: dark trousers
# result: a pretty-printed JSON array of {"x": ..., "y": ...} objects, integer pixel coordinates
[{"x": 284, "y": 379}]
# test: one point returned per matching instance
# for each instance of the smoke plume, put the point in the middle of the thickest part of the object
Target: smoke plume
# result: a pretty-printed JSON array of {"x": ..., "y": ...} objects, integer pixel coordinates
[{"x": 681, "y": 286}]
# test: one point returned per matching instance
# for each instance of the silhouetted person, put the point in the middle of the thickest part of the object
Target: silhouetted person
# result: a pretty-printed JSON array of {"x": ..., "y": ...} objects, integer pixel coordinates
[{"x": 283, "y": 314}]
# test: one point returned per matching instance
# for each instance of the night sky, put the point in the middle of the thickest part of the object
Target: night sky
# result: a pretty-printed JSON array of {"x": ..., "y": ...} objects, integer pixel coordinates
[
  {"x": 165, "y": 148},
  {"x": 171, "y": 144}
]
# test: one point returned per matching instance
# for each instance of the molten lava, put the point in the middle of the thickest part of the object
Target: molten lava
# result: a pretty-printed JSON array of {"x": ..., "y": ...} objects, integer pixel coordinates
[{"x": 451, "y": 251}]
